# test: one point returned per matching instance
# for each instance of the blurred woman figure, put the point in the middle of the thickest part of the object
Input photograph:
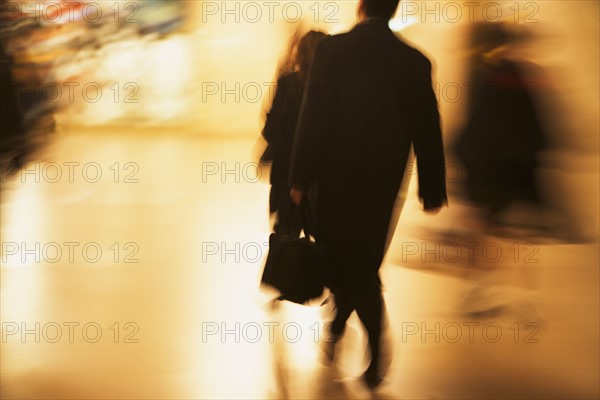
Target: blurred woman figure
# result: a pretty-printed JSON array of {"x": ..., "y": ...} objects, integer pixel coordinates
[
  {"x": 500, "y": 144},
  {"x": 280, "y": 125},
  {"x": 504, "y": 134}
]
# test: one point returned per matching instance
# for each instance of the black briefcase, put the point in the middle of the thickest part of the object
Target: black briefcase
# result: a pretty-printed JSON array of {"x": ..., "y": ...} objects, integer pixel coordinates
[{"x": 293, "y": 264}]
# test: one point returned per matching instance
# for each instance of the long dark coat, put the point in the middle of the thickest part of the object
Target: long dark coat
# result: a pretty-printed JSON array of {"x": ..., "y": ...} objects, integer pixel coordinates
[{"x": 368, "y": 99}]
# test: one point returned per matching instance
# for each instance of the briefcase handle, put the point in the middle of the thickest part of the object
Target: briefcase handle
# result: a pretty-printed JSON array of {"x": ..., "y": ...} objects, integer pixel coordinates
[{"x": 308, "y": 221}]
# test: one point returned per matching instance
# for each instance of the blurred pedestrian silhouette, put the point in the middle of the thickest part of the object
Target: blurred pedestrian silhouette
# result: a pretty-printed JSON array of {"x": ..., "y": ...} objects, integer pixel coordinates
[
  {"x": 368, "y": 99},
  {"x": 27, "y": 117},
  {"x": 11, "y": 118},
  {"x": 280, "y": 125},
  {"x": 503, "y": 135},
  {"x": 499, "y": 148}
]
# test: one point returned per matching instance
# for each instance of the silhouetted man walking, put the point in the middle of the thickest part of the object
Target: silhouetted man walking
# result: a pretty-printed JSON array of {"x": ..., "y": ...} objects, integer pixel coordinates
[{"x": 368, "y": 99}]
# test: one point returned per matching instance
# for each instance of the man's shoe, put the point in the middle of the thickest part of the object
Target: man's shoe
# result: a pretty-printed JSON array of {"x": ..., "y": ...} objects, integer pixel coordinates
[{"x": 372, "y": 379}]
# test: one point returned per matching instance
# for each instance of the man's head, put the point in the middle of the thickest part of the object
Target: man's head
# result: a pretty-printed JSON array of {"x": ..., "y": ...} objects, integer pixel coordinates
[{"x": 384, "y": 9}]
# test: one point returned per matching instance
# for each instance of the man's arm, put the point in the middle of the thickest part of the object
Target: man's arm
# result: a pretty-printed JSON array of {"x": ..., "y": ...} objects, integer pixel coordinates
[{"x": 428, "y": 145}]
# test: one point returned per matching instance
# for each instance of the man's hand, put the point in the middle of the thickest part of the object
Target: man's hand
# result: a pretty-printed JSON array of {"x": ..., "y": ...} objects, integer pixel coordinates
[{"x": 296, "y": 196}]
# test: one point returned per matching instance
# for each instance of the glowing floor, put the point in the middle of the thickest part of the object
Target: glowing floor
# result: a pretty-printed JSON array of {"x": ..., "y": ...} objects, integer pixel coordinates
[{"x": 142, "y": 282}]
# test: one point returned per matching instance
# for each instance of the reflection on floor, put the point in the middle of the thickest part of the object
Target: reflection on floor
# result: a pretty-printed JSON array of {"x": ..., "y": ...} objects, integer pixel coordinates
[{"x": 130, "y": 268}]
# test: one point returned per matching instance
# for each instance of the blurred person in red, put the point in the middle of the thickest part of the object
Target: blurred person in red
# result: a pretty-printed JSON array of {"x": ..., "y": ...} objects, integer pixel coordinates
[
  {"x": 499, "y": 146},
  {"x": 503, "y": 135}
]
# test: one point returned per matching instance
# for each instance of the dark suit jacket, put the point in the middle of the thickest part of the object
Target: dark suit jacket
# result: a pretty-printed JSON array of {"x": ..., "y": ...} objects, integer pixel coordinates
[{"x": 368, "y": 99}]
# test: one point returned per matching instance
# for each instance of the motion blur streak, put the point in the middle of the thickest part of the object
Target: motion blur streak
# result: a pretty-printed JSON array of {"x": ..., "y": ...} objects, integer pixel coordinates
[{"x": 134, "y": 212}]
